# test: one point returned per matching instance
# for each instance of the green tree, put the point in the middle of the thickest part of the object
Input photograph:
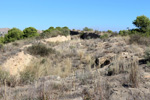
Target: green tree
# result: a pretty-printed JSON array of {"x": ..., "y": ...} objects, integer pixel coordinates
[
  {"x": 13, "y": 34},
  {"x": 30, "y": 32},
  {"x": 58, "y": 28},
  {"x": 142, "y": 22},
  {"x": 51, "y": 28},
  {"x": 65, "y": 28}
]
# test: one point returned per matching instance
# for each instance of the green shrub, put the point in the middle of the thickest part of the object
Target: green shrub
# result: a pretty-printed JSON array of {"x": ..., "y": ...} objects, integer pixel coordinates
[
  {"x": 53, "y": 32},
  {"x": 65, "y": 32},
  {"x": 58, "y": 28},
  {"x": 40, "y": 49},
  {"x": 123, "y": 32},
  {"x": 110, "y": 31},
  {"x": 1, "y": 40},
  {"x": 104, "y": 36},
  {"x": 87, "y": 29},
  {"x": 30, "y": 32}
]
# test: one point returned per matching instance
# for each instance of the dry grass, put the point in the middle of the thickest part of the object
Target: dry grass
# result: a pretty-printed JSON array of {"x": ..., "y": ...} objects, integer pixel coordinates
[
  {"x": 119, "y": 65},
  {"x": 134, "y": 75},
  {"x": 43, "y": 67}
]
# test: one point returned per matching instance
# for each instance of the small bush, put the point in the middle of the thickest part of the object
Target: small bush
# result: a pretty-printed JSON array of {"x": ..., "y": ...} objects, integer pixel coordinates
[
  {"x": 105, "y": 36},
  {"x": 87, "y": 29},
  {"x": 110, "y": 31},
  {"x": 123, "y": 32},
  {"x": 1, "y": 40},
  {"x": 40, "y": 49}
]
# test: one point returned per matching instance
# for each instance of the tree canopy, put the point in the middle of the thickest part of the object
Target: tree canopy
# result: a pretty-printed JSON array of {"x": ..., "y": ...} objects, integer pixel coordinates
[
  {"x": 13, "y": 34},
  {"x": 30, "y": 32},
  {"x": 142, "y": 22}
]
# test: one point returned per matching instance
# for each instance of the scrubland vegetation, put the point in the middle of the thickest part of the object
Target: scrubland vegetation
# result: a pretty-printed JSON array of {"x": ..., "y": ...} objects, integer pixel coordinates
[{"x": 93, "y": 65}]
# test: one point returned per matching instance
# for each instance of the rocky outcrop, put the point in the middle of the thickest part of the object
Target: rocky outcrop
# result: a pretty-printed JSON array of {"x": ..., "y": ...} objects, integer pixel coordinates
[{"x": 89, "y": 36}]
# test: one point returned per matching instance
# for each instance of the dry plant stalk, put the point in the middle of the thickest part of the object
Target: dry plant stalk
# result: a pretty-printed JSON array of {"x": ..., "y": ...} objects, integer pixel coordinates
[{"x": 134, "y": 75}]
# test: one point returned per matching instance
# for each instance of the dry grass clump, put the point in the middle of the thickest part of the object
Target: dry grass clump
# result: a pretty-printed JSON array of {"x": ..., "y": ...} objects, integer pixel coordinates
[
  {"x": 7, "y": 79},
  {"x": 134, "y": 75},
  {"x": 43, "y": 67},
  {"x": 119, "y": 65},
  {"x": 3, "y": 76},
  {"x": 139, "y": 39},
  {"x": 40, "y": 49}
]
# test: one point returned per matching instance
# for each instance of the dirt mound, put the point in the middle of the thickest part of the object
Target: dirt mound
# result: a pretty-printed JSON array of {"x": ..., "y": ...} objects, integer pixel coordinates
[{"x": 17, "y": 63}]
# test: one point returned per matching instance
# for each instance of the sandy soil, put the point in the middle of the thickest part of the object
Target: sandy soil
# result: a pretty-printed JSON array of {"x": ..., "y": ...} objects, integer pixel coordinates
[
  {"x": 58, "y": 39},
  {"x": 17, "y": 63}
]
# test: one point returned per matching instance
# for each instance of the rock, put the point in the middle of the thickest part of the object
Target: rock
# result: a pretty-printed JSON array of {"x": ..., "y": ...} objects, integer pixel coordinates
[
  {"x": 107, "y": 62},
  {"x": 101, "y": 62},
  {"x": 143, "y": 61},
  {"x": 74, "y": 33},
  {"x": 89, "y": 36}
]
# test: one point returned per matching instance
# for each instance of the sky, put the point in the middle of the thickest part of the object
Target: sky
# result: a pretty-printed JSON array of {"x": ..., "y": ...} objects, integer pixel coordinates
[{"x": 76, "y": 14}]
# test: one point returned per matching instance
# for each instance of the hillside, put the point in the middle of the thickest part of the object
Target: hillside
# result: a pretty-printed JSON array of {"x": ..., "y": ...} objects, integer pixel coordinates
[{"x": 75, "y": 69}]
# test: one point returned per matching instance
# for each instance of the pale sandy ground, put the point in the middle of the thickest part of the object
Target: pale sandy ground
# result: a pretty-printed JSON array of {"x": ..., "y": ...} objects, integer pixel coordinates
[
  {"x": 58, "y": 39},
  {"x": 17, "y": 63}
]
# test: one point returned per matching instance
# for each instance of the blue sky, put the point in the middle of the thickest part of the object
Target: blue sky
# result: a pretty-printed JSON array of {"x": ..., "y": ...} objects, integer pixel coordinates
[{"x": 98, "y": 14}]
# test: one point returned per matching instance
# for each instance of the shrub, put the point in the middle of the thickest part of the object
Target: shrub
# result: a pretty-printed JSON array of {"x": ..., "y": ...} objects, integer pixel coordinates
[
  {"x": 58, "y": 28},
  {"x": 30, "y": 32},
  {"x": 13, "y": 34},
  {"x": 28, "y": 75},
  {"x": 1, "y": 40},
  {"x": 65, "y": 32},
  {"x": 65, "y": 28},
  {"x": 40, "y": 49},
  {"x": 104, "y": 36},
  {"x": 87, "y": 29},
  {"x": 147, "y": 54},
  {"x": 109, "y": 31},
  {"x": 53, "y": 32},
  {"x": 123, "y": 32},
  {"x": 51, "y": 28},
  {"x": 1, "y": 46}
]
